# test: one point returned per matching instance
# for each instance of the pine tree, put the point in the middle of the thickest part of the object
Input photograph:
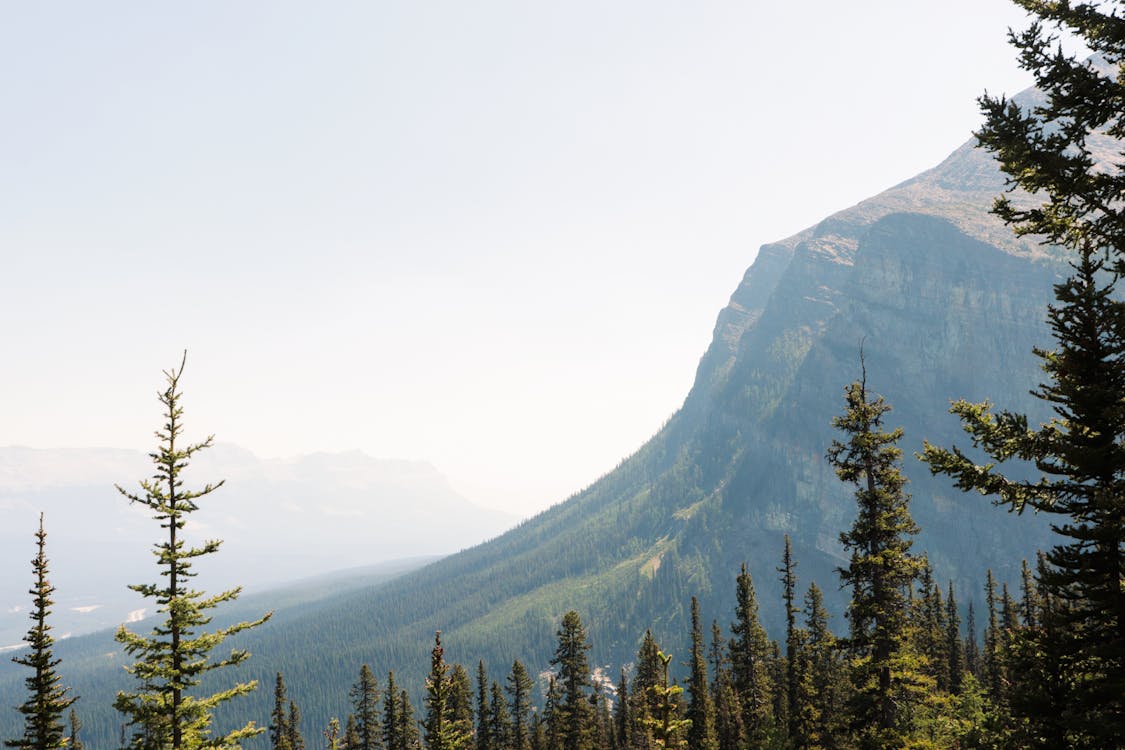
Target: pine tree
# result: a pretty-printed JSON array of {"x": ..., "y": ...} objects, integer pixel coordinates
[
  {"x": 484, "y": 737},
  {"x": 174, "y": 657},
  {"x": 623, "y": 715},
  {"x": 750, "y": 653},
  {"x": 701, "y": 712},
  {"x": 1051, "y": 150},
  {"x": 73, "y": 741},
  {"x": 575, "y": 717},
  {"x": 279, "y": 719},
  {"x": 953, "y": 646},
  {"x": 972, "y": 648},
  {"x": 826, "y": 689},
  {"x": 408, "y": 727},
  {"x": 47, "y": 699},
  {"x": 499, "y": 720},
  {"x": 293, "y": 727},
  {"x": 442, "y": 731},
  {"x": 519, "y": 693},
  {"x": 789, "y": 594},
  {"x": 365, "y": 703},
  {"x": 352, "y": 738},
  {"x": 461, "y": 701},
  {"x": 666, "y": 726},
  {"x": 392, "y": 735},
  {"x": 881, "y": 571}
]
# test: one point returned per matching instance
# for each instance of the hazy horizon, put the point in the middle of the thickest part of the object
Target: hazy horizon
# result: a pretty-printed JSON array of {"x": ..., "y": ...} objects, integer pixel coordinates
[{"x": 491, "y": 237}]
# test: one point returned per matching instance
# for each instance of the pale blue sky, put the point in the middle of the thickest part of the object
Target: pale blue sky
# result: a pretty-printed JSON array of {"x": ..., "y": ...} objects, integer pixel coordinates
[{"x": 494, "y": 235}]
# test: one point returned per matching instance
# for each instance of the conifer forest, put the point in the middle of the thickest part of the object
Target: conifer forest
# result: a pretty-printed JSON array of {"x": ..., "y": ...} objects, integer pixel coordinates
[{"x": 902, "y": 664}]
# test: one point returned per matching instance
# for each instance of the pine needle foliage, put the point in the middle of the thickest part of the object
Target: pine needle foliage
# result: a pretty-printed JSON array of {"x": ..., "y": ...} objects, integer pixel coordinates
[
  {"x": 172, "y": 659},
  {"x": 47, "y": 699},
  {"x": 881, "y": 571},
  {"x": 1055, "y": 150}
]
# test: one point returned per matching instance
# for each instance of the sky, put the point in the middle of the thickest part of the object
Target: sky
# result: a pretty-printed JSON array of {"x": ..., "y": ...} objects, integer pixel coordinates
[{"x": 490, "y": 235}]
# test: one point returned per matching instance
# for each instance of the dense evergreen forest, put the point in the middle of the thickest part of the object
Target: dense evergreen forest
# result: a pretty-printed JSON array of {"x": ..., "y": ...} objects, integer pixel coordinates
[{"x": 910, "y": 670}]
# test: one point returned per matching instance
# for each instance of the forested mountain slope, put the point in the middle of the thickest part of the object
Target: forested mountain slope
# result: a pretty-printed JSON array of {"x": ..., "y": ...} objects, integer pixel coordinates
[{"x": 946, "y": 305}]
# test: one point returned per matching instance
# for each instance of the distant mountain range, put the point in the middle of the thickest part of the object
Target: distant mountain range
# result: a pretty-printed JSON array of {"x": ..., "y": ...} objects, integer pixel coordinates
[
  {"x": 280, "y": 520},
  {"x": 945, "y": 303}
]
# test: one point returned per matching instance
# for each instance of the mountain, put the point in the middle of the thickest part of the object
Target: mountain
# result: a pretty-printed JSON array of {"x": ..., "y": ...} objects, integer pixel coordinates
[
  {"x": 944, "y": 302},
  {"x": 326, "y": 511}
]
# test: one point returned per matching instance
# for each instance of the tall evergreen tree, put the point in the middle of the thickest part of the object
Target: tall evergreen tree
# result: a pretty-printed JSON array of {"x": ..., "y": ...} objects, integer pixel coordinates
[
  {"x": 575, "y": 716},
  {"x": 623, "y": 715},
  {"x": 73, "y": 741},
  {"x": 788, "y": 571},
  {"x": 750, "y": 653},
  {"x": 174, "y": 657},
  {"x": 826, "y": 689},
  {"x": 881, "y": 571},
  {"x": 365, "y": 703},
  {"x": 666, "y": 726},
  {"x": 953, "y": 646},
  {"x": 461, "y": 701},
  {"x": 293, "y": 727},
  {"x": 392, "y": 734},
  {"x": 1052, "y": 150},
  {"x": 47, "y": 699},
  {"x": 279, "y": 718},
  {"x": 441, "y": 730},
  {"x": 483, "y": 736},
  {"x": 408, "y": 727},
  {"x": 519, "y": 694},
  {"x": 499, "y": 726},
  {"x": 700, "y": 712}
]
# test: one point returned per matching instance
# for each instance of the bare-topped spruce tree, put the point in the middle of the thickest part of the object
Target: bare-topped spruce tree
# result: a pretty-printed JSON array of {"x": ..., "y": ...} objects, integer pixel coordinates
[{"x": 172, "y": 658}]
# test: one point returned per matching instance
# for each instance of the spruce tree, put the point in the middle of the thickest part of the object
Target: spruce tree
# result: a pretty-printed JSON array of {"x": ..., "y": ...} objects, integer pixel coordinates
[
  {"x": 881, "y": 571},
  {"x": 789, "y": 595},
  {"x": 1053, "y": 150},
  {"x": 701, "y": 711},
  {"x": 175, "y": 656},
  {"x": 484, "y": 737},
  {"x": 461, "y": 701},
  {"x": 47, "y": 699},
  {"x": 519, "y": 694},
  {"x": 499, "y": 720},
  {"x": 441, "y": 730},
  {"x": 953, "y": 645},
  {"x": 365, "y": 703},
  {"x": 293, "y": 727},
  {"x": 575, "y": 715},
  {"x": 666, "y": 726},
  {"x": 73, "y": 741},
  {"x": 408, "y": 727},
  {"x": 750, "y": 654},
  {"x": 392, "y": 736},
  {"x": 279, "y": 719}
]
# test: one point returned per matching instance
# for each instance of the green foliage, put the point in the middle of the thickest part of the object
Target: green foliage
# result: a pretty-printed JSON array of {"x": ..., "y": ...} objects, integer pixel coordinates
[
  {"x": 881, "y": 572},
  {"x": 519, "y": 694},
  {"x": 365, "y": 703},
  {"x": 667, "y": 728},
  {"x": 1051, "y": 150},
  {"x": 750, "y": 654},
  {"x": 279, "y": 718},
  {"x": 442, "y": 730},
  {"x": 701, "y": 711},
  {"x": 574, "y": 714},
  {"x": 47, "y": 699},
  {"x": 173, "y": 658}
]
